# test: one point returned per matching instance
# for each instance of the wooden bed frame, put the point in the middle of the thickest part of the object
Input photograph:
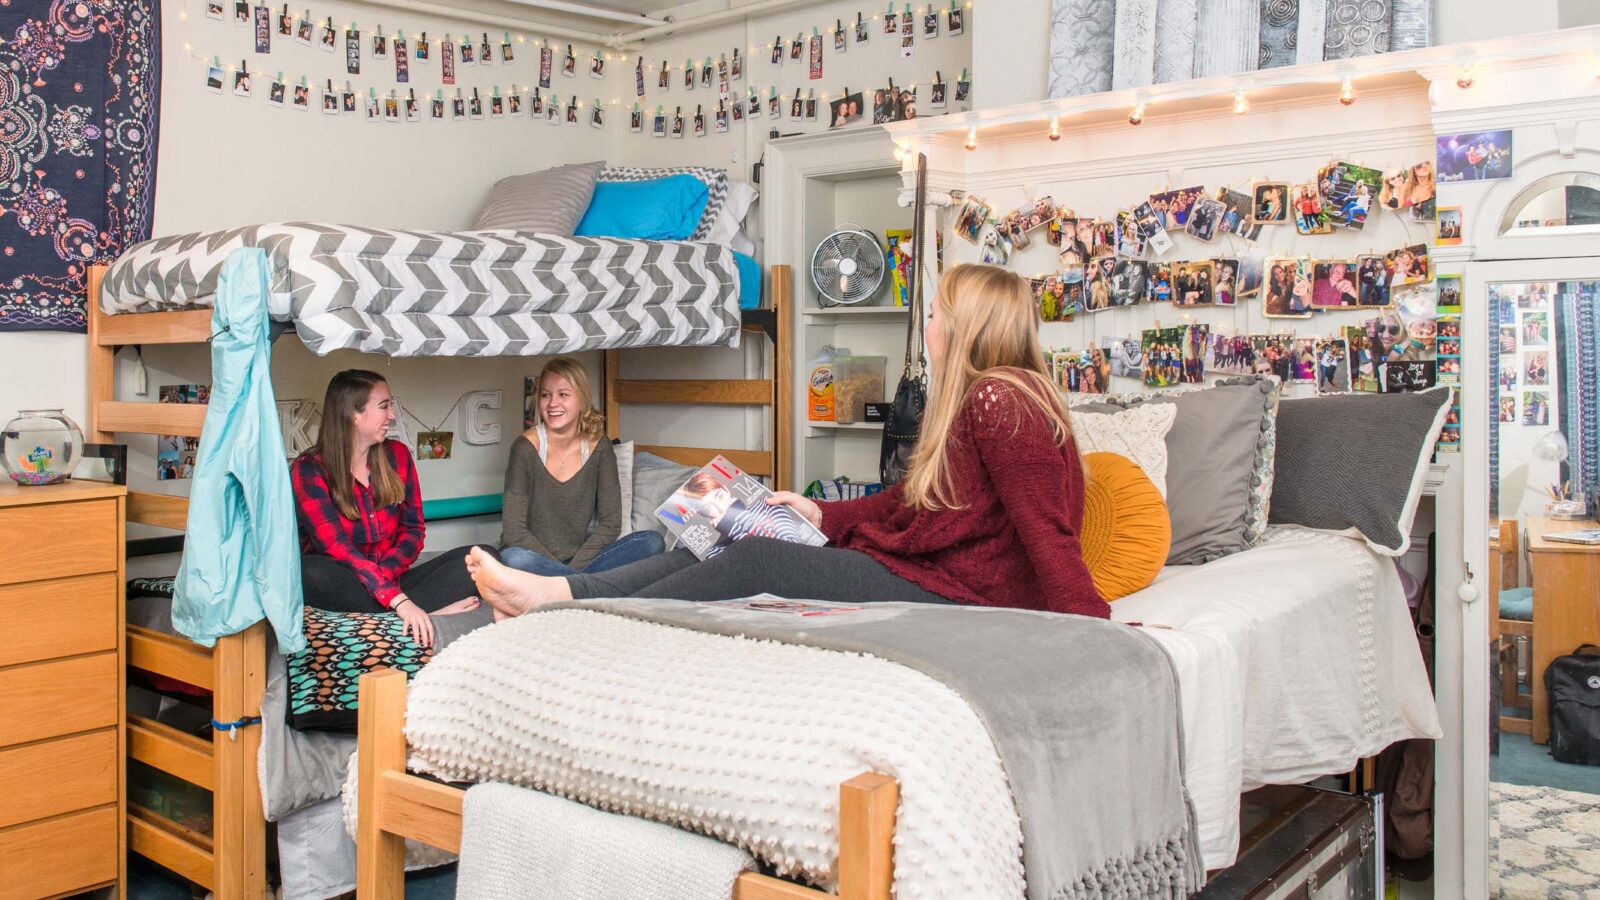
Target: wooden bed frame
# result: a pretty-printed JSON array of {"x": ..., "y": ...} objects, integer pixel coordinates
[
  {"x": 232, "y": 861},
  {"x": 393, "y": 805}
]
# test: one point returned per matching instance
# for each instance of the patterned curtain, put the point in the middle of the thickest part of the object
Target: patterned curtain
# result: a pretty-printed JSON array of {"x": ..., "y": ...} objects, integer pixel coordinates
[
  {"x": 79, "y": 101},
  {"x": 1578, "y": 366},
  {"x": 1098, "y": 45}
]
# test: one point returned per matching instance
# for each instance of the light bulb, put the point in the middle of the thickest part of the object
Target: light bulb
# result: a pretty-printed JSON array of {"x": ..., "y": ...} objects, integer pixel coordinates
[
  {"x": 1464, "y": 77},
  {"x": 972, "y": 138},
  {"x": 1055, "y": 129},
  {"x": 1240, "y": 104},
  {"x": 1137, "y": 116},
  {"x": 1347, "y": 93}
]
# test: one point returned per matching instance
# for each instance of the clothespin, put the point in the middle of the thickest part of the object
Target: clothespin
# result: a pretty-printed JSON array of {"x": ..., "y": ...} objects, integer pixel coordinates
[
  {"x": 938, "y": 77},
  {"x": 838, "y": 25},
  {"x": 815, "y": 31},
  {"x": 216, "y": 62},
  {"x": 496, "y": 93},
  {"x": 890, "y": 11},
  {"x": 244, "y": 65}
]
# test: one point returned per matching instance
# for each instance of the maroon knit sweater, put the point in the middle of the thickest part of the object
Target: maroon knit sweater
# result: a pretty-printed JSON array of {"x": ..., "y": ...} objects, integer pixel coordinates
[{"x": 1016, "y": 541}]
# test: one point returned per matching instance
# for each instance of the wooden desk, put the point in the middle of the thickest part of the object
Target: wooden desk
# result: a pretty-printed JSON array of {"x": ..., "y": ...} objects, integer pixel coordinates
[{"x": 1566, "y": 604}]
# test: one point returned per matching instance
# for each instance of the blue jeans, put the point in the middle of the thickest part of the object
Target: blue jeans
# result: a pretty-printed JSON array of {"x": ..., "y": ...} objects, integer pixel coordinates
[{"x": 629, "y": 548}]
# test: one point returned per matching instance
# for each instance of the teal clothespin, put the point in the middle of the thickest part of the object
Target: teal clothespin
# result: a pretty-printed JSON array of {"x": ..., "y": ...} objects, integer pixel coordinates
[
  {"x": 496, "y": 91},
  {"x": 907, "y": 13},
  {"x": 507, "y": 36},
  {"x": 890, "y": 11},
  {"x": 216, "y": 62},
  {"x": 439, "y": 94},
  {"x": 815, "y": 31}
]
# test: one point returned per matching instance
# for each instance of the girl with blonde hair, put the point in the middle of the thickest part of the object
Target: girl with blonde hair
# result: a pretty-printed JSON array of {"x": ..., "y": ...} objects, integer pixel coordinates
[
  {"x": 988, "y": 514},
  {"x": 562, "y": 511}
]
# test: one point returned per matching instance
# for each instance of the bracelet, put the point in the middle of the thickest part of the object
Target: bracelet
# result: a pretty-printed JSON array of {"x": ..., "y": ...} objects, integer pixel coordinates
[{"x": 396, "y": 606}]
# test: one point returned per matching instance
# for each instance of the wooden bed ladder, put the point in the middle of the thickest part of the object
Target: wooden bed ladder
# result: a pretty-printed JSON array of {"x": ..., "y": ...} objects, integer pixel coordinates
[
  {"x": 232, "y": 860},
  {"x": 775, "y": 393}
]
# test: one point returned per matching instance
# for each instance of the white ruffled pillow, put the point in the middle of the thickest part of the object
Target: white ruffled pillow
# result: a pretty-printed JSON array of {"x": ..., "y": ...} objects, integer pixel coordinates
[{"x": 1138, "y": 433}]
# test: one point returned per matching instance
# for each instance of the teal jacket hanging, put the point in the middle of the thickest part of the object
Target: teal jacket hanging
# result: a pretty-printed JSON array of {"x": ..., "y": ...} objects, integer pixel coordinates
[{"x": 241, "y": 556}]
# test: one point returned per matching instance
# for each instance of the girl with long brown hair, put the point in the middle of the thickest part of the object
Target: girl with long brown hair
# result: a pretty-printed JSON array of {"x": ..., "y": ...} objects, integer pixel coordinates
[
  {"x": 989, "y": 513},
  {"x": 360, "y": 511},
  {"x": 560, "y": 479}
]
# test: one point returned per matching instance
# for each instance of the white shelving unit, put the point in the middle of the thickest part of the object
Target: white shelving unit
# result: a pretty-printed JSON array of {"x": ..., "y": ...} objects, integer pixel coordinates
[{"x": 841, "y": 314}]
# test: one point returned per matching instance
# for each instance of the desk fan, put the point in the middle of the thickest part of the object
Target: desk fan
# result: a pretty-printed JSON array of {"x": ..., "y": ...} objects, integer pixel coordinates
[{"x": 847, "y": 267}]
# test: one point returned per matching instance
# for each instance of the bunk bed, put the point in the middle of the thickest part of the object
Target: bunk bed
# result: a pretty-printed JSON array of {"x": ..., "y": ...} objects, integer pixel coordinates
[{"x": 232, "y": 861}]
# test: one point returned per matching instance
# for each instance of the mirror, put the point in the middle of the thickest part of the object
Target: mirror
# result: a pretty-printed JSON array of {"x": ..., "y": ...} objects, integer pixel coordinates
[{"x": 1568, "y": 200}]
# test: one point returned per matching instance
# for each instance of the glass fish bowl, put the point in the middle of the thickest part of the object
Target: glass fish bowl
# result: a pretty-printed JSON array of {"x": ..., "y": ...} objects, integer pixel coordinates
[{"x": 40, "y": 446}]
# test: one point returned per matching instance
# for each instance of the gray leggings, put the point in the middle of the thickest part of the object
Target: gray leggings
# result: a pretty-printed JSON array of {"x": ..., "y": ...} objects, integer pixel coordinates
[{"x": 753, "y": 566}]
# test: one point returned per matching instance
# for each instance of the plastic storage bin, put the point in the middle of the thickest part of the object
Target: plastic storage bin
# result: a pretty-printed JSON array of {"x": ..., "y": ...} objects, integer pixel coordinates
[{"x": 857, "y": 381}]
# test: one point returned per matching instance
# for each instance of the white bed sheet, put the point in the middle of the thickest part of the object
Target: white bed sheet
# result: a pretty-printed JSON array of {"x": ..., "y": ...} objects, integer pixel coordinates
[{"x": 1295, "y": 659}]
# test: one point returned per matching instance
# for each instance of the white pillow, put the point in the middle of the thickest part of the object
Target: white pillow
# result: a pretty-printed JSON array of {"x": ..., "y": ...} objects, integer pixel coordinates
[
  {"x": 730, "y": 218},
  {"x": 624, "y": 452},
  {"x": 1138, "y": 433}
]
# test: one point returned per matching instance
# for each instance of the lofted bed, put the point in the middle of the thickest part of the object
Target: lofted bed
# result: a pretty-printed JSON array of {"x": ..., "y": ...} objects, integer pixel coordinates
[{"x": 232, "y": 861}]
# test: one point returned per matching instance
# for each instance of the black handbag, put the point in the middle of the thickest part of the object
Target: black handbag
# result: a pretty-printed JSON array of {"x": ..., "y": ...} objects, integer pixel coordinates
[
  {"x": 904, "y": 423},
  {"x": 1572, "y": 684}
]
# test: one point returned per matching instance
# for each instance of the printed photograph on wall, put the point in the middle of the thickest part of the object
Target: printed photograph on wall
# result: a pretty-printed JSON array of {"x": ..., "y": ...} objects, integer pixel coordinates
[
  {"x": 1474, "y": 156},
  {"x": 1449, "y": 230}
]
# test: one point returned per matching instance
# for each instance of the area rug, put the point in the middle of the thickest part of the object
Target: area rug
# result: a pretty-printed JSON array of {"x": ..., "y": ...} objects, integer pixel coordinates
[
  {"x": 1544, "y": 843},
  {"x": 79, "y": 84}
]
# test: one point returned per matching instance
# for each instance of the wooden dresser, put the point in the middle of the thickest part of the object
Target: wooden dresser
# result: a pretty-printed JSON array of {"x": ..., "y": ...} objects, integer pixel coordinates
[{"x": 61, "y": 689}]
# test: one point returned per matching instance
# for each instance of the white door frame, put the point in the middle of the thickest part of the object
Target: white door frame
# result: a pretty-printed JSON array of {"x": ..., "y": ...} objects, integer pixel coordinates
[{"x": 1463, "y": 619}]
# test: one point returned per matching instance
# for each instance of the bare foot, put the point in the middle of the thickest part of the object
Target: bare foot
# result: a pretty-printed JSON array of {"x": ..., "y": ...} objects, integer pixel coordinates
[
  {"x": 512, "y": 592},
  {"x": 460, "y": 606}
]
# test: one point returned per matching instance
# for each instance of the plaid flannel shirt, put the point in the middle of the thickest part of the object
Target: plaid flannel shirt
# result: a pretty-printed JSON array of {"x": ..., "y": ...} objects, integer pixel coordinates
[{"x": 383, "y": 544}]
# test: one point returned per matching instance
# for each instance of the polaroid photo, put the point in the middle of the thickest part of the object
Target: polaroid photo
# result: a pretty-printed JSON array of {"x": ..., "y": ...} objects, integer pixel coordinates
[
  {"x": 972, "y": 218},
  {"x": 736, "y": 67},
  {"x": 891, "y": 23},
  {"x": 241, "y": 13},
  {"x": 1372, "y": 281},
  {"x": 863, "y": 31},
  {"x": 1269, "y": 203},
  {"x": 348, "y": 100},
  {"x": 955, "y": 22},
  {"x": 380, "y": 46},
  {"x": 1196, "y": 283},
  {"x": 214, "y": 79},
  {"x": 304, "y": 32},
  {"x": 699, "y": 123},
  {"x": 597, "y": 67},
  {"x": 497, "y": 107},
  {"x": 1508, "y": 410},
  {"x": 774, "y": 107},
  {"x": 285, "y": 22},
  {"x": 1163, "y": 350},
  {"x": 1449, "y": 288},
  {"x": 841, "y": 41},
  {"x": 908, "y": 46},
  {"x": 1151, "y": 228},
  {"x": 1349, "y": 193},
  {"x": 1098, "y": 283},
  {"x": 214, "y": 10},
  {"x": 422, "y": 55},
  {"x": 1359, "y": 361},
  {"x": 538, "y": 102},
  {"x": 1310, "y": 213},
  {"x": 391, "y": 110},
  {"x": 663, "y": 77},
  {"x": 797, "y": 49},
  {"x": 777, "y": 51},
  {"x": 636, "y": 121},
  {"x": 569, "y": 63},
  {"x": 1158, "y": 282},
  {"x": 1105, "y": 240},
  {"x": 1535, "y": 408},
  {"x": 514, "y": 104},
  {"x": 242, "y": 83},
  {"x": 1129, "y": 281},
  {"x": 811, "y": 108},
  {"x": 721, "y": 120},
  {"x": 1448, "y": 232},
  {"x": 738, "y": 110},
  {"x": 1408, "y": 265},
  {"x": 597, "y": 117},
  {"x": 506, "y": 57},
  {"x": 552, "y": 111},
  {"x": 374, "y": 109},
  {"x": 572, "y": 110},
  {"x": 302, "y": 98},
  {"x": 330, "y": 103},
  {"x": 467, "y": 53},
  {"x": 475, "y": 107},
  {"x": 677, "y": 123},
  {"x": 1205, "y": 218},
  {"x": 1226, "y": 289},
  {"x": 658, "y": 125},
  {"x": 1236, "y": 207},
  {"x": 328, "y": 38},
  {"x": 485, "y": 54},
  {"x": 1287, "y": 289},
  {"x": 930, "y": 24},
  {"x": 1535, "y": 330},
  {"x": 753, "y": 105},
  {"x": 276, "y": 93},
  {"x": 1335, "y": 284},
  {"x": 458, "y": 107},
  {"x": 963, "y": 89},
  {"x": 688, "y": 76},
  {"x": 996, "y": 250},
  {"x": 413, "y": 108}
]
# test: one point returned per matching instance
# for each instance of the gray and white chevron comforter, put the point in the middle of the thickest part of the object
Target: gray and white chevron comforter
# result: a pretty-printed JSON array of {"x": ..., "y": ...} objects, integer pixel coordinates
[{"x": 421, "y": 293}]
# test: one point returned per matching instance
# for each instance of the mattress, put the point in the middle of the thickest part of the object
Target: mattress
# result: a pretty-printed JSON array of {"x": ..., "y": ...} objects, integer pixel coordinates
[
  {"x": 1295, "y": 659},
  {"x": 422, "y": 293}
]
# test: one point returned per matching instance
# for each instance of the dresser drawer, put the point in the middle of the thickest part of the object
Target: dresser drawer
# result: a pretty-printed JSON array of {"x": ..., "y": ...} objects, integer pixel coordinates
[
  {"x": 55, "y": 540},
  {"x": 54, "y": 777},
  {"x": 45, "y": 700},
  {"x": 59, "y": 855},
  {"x": 61, "y": 617}
]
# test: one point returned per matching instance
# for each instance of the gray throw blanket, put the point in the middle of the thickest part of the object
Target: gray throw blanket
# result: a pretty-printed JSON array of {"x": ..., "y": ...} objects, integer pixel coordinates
[{"x": 1084, "y": 714}]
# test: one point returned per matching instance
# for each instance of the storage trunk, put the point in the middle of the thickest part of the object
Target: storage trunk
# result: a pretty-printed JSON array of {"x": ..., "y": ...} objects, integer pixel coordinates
[{"x": 1303, "y": 842}]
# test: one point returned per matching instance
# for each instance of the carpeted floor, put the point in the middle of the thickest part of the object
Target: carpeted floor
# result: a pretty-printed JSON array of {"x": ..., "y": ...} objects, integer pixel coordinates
[{"x": 1545, "y": 843}]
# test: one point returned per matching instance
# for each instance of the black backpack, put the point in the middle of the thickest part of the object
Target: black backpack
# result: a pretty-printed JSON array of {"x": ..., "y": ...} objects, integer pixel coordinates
[{"x": 1573, "y": 685}]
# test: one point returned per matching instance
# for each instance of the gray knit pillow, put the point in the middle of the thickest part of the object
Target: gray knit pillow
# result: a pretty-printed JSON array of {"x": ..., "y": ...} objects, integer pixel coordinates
[
  {"x": 549, "y": 202},
  {"x": 1357, "y": 461}
]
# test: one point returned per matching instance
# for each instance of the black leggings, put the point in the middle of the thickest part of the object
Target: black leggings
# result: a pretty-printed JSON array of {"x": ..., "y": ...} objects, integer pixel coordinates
[
  {"x": 333, "y": 586},
  {"x": 754, "y": 566}
]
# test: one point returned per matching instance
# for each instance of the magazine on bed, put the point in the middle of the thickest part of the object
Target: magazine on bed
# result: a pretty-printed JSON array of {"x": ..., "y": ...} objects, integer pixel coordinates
[{"x": 721, "y": 504}]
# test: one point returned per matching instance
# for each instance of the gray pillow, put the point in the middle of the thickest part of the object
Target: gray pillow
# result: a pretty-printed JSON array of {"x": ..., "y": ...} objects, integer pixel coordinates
[
  {"x": 1219, "y": 465},
  {"x": 1357, "y": 461},
  {"x": 549, "y": 202},
  {"x": 654, "y": 480}
]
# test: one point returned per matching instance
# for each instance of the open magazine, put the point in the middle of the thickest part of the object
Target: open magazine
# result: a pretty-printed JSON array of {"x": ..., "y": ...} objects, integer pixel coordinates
[{"x": 721, "y": 504}]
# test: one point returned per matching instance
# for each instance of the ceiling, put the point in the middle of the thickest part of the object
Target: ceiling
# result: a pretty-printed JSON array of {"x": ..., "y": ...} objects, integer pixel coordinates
[{"x": 645, "y": 7}]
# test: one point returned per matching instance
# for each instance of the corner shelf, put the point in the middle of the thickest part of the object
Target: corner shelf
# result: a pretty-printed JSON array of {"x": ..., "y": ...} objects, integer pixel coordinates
[
  {"x": 855, "y": 314},
  {"x": 820, "y": 429}
]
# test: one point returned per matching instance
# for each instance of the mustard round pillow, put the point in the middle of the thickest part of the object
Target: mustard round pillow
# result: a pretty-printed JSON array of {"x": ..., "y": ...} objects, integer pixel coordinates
[{"x": 1126, "y": 531}]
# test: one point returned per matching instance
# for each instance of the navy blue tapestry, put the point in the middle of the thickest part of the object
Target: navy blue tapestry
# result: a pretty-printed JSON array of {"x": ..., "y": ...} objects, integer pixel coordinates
[{"x": 79, "y": 99}]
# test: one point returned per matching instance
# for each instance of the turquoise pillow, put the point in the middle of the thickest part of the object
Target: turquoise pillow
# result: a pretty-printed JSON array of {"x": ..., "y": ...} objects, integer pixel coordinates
[{"x": 661, "y": 209}]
